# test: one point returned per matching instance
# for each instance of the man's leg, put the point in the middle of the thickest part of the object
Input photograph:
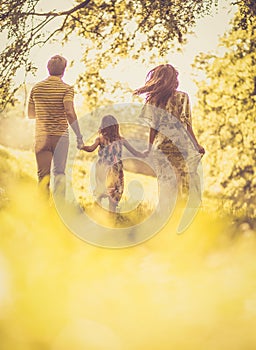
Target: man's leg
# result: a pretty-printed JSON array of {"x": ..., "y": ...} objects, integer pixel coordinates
[
  {"x": 59, "y": 164},
  {"x": 43, "y": 159}
]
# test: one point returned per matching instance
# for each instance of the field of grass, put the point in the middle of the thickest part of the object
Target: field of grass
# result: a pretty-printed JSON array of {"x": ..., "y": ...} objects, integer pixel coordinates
[{"x": 194, "y": 291}]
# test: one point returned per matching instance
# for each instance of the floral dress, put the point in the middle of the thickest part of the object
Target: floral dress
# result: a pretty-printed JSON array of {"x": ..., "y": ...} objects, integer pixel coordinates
[
  {"x": 172, "y": 145},
  {"x": 109, "y": 174}
]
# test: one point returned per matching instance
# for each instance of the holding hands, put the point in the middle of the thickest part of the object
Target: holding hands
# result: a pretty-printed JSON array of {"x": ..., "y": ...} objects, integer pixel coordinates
[
  {"x": 79, "y": 142},
  {"x": 141, "y": 154},
  {"x": 201, "y": 149},
  {"x": 146, "y": 153}
]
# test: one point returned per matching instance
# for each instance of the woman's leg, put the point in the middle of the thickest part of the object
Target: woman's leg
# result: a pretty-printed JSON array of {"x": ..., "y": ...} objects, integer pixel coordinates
[{"x": 99, "y": 181}]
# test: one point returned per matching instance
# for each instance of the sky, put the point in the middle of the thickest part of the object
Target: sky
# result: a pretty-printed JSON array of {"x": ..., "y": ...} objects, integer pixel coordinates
[{"x": 205, "y": 38}]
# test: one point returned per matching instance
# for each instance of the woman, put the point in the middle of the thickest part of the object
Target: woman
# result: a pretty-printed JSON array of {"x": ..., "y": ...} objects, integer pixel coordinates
[{"x": 171, "y": 135}]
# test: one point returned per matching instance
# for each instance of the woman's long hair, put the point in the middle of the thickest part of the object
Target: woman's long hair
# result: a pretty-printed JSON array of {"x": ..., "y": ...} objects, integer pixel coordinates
[
  {"x": 161, "y": 83},
  {"x": 109, "y": 128}
]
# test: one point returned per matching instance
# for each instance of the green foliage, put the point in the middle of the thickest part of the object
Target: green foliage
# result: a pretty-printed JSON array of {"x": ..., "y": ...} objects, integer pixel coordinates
[
  {"x": 247, "y": 10},
  {"x": 112, "y": 29},
  {"x": 20, "y": 36},
  {"x": 226, "y": 113},
  {"x": 15, "y": 166}
]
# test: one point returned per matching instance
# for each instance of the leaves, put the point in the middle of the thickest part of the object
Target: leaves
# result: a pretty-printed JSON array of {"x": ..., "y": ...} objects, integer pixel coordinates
[
  {"x": 117, "y": 28},
  {"x": 247, "y": 10},
  {"x": 227, "y": 117}
]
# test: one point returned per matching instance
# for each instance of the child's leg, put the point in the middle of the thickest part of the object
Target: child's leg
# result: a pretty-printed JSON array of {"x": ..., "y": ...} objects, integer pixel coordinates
[
  {"x": 112, "y": 205},
  {"x": 100, "y": 190}
]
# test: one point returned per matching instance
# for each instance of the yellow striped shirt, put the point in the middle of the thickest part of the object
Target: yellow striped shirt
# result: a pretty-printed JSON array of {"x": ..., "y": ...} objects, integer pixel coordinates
[{"x": 48, "y": 97}]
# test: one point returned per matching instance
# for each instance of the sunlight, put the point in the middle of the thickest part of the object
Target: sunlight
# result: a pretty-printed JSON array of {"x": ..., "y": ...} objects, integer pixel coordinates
[{"x": 76, "y": 275}]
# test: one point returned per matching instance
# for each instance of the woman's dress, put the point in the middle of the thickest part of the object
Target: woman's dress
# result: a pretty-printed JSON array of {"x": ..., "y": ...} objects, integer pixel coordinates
[{"x": 173, "y": 147}]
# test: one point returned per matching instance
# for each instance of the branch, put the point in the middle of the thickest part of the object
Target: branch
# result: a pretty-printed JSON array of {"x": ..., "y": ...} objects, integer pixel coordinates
[
  {"x": 85, "y": 29},
  {"x": 52, "y": 34},
  {"x": 57, "y": 14}
]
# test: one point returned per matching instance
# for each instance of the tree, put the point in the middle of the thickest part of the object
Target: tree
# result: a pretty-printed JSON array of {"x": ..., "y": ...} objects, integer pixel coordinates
[
  {"x": 247, "y": 13},
  {"x": 227, "y": 110},
  {"x": 112, "y": 28}
]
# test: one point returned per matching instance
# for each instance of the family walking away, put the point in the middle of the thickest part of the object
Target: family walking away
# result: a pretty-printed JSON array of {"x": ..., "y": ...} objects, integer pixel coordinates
[{"x": 167, "y": 112}]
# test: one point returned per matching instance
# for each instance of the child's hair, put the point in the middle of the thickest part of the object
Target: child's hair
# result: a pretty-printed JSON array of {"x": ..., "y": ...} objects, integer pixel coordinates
[
  {"x": 161, "y": 83},
  {"x": 109, "y": 128}
]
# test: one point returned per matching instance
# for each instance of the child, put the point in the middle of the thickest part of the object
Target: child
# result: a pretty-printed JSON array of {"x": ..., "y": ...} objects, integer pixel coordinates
[{"x": 109, "y": 174}]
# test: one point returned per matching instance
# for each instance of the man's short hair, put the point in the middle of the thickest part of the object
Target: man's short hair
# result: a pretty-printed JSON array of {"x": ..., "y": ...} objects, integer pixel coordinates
[{"x": 56, "y": 65}]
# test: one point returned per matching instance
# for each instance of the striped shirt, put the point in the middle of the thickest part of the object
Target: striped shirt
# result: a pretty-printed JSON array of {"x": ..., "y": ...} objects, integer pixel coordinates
[{"x": 48, "y": 98}]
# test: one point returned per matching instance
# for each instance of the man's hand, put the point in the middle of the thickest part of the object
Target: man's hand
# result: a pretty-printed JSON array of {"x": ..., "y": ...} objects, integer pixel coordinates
[{"x": 80, "y": 142}]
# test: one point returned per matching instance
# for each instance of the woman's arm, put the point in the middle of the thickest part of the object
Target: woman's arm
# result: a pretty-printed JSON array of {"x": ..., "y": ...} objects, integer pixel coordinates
[
  {"x": 194, "y": 140},
  {"x": 152, "y": 135},
  {"x": 92, "y": 147},
  {"x": 186, "y": 110},
  {"x": 132, "y": 150}
]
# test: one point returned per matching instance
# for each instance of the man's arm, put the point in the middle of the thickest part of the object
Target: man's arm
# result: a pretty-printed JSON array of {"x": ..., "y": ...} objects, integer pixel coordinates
[
  {"x": 31, "y": 111},
  {"x": 73, "y": 122}
]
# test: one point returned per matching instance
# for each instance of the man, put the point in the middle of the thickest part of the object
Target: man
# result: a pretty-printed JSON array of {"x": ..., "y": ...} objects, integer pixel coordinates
[{"x": 51, "y": 104}]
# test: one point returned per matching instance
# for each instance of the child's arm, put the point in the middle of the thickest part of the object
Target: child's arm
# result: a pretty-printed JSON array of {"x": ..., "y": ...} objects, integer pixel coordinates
[
  {"x": 132, "y": 150},
  {"x": 92, "y": 147}
]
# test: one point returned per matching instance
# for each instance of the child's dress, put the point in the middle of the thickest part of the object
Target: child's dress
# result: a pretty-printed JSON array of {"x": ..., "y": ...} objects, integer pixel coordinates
[{"x": 109, "y": 174}]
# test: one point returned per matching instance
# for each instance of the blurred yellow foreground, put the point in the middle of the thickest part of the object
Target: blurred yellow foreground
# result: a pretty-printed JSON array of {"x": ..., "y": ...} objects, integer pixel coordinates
[{"x": 185, "y": 292}]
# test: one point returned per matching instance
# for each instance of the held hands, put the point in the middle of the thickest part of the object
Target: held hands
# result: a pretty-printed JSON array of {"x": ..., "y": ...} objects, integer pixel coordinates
[
  {"x": 141, "y": 155},
  {"x": 201, "y": 150},
  {"x": 80, "y": 142},
  {"x": 146, "y": 153}
]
